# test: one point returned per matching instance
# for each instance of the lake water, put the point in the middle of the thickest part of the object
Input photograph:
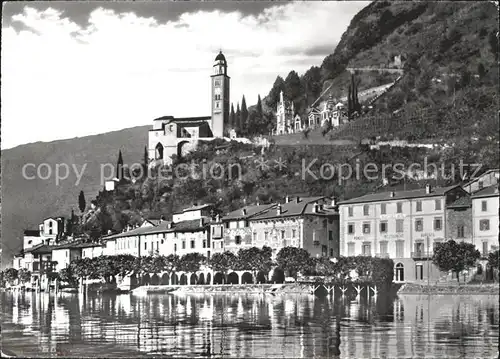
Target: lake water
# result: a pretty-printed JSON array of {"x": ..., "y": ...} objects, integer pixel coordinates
[{"x": 258, "y": 326}]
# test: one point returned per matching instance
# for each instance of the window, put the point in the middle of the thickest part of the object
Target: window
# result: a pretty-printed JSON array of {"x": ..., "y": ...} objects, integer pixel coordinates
[
  {"x": 351, "y": 211},
  {"x": 383, "y": 247},
  {"x": 366, "y": 210},
  {"x": 366, "y": 228},
  {"x": 485, "y": 248},
  {"x": 237, "y": 239},
  {"x": 50, "y": 231},
  {"x": 419, "y": 206},
  {"x": 437, "y": 205},
  {"x": 183, "y": 244},
  {"x": 254, "y": 237},
  {"x": 484, "y": 206},
  {"x": 213, "y": 245},
  {"x": 265, "y": 236},
  {"x": 294, "y": 233},
  {"x": 419, "y": 225},
  {"x": 438, "y": 224},
  {"x": 145, "y": 245},
  {"x": 50, "y": 224},
  {"x": 399, "y": 225},
  {"x": 192, "y": 243},
  {"x": 484, "y": 225},
  {"x": 383, "y": 227},
  {"x": 350, "y": 228},
  {"x": 282, "y": 234},
  {"x": 175, "y": 247},
  {"x": 400, "y": 246},
  {"x": 367, "y": 249},
  {"x": 383, "y": 208},
  {"x": 204, "y": 243},
  {"x": 330, "y": 235},
  {"x": 66, "y": 254},
  {"x": 399, "y": 207},
  {"x": 331, "y": 252},
  {"x": 350, "y": 249},
  {"x": 481, "y": 185},
  {"x": 227, "y": 224}
]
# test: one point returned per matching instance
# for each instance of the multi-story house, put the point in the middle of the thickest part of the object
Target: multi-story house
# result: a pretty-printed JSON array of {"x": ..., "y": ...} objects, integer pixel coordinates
[
  {"x": 404, "y": 226},
  {"x": 38, "y": 260},
  {"x": 485, "y": 213},
  {"x": 311, "y": 223},
  {"x": 487, "y": 179},
  {"x": 64, "y": 254},
  {"x": 52, "y": 228},
  {"x": 91, "y": 250},
  {"x": 233, "y": 232}
]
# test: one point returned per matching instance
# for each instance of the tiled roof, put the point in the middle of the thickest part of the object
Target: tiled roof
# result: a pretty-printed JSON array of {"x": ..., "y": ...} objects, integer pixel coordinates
[
  {"x": 491, "y": 191},
  {"x": 481, "y": 176},
  {"x": 461, "y": 202},
  {"x": 40, "y": 248},
  {"x": 386, "y": 196},
  {"x": 75, "y": 245},
  {"x": 289, "y": 209},
  {"x": 32, "y": 233},
  {"x": 251, "y": 210},
  {"x": 194, "y": 208}
]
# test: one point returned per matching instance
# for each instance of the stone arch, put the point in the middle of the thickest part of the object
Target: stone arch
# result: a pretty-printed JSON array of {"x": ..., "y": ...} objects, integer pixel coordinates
[
  {"x": 219, "y": 278},
  {"x": 201, "y": 278},
  {"x": 399, "y": 272},
  {"x": 174, "y": 279},
  {"x": 182, "y": 148},
  {"x": 247, "y": 278},
  {"x": 165, "y": 280},
  {"x": 209, "y": 277},
  {"x": 233, "y": 278},
  {"x": 155, "y": 279},
  {"x": 193, "y": 279},
  {"x": 261, "y": 277},
  {"x": 145, "y": 279},
  {"x": 278, "y": 276},
  {"x": 159, "y": 151},
  {"x": 183, "y": 280}
]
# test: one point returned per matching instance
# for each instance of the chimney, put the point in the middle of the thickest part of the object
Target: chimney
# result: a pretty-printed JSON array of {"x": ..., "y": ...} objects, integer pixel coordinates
[
  {"x": 169, "y": 225},
  {"x": 109, "y": 232},
  {"x": 287, "y": 199},
  {"x": 427, "y": 188},
  {"x": 217, "y": 218},
  {"x": 244, "y": 211},
  {"x": 392, "y": 194},
  {"x": 162, "y": 218},
  {"x": 202, "y": 222},
  {"x": 334, "y": 202},
  {"x": 297, "y": 199},
  {"x": 315, "y": 207},
  {"x": 278, "y": 210}
]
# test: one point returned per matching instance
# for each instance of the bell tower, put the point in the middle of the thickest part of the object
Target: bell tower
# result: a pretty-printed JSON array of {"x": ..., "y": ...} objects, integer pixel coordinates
[{"x": 220, "y": 96}]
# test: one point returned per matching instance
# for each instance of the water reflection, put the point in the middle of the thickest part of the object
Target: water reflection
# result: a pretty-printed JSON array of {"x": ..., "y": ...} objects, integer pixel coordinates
[{"x": 293, "y": 326}]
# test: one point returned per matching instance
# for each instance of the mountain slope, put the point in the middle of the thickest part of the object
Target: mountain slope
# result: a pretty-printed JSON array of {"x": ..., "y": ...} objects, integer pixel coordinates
[{"x": 25, "y": 202}]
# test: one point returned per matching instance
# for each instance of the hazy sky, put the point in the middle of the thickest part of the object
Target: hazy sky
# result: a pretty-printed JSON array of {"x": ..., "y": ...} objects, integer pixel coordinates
[{"x": 79, "y": 68}]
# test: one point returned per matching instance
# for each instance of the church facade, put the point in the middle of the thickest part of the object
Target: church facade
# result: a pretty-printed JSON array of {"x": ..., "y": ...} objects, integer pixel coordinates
[
  {"x": 287, "y": 121},
  {"x": 177, "y": 136}
]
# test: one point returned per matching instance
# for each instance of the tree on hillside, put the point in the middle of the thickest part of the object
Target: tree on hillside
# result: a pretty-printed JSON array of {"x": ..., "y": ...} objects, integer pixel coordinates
[
  {"x": 274, "y": 95},
  {"x": 244, "y": 116},
  {"x": 293, "y": 87},
  {"x": 456, "y": 257},
  {"x": 312, "y": 84},
  {"x": 258, "y": 107},
  {"x": 81, "y": 202}
]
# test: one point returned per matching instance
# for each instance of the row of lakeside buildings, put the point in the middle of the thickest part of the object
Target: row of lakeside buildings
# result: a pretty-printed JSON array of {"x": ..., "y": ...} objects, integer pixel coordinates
[{"x": 401, "y": 225}]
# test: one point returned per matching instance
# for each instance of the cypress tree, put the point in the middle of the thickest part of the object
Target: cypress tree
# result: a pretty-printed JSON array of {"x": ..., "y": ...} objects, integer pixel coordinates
[
  {"x": 237, "y": 122},
  {"x": 119, "y": 166},
  {"x": 232, "y": 117},
  {"x": 81, "y": 202},
  {"x": 244, "y": 116}
]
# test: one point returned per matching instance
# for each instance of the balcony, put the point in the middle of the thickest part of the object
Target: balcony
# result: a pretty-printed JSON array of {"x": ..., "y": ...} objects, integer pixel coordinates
[{"x": 421, "y": 255}]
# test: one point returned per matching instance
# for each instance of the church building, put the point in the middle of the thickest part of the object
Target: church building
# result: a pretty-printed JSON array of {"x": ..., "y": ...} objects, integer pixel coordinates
[
  {"x": 176, "y": 136},
  {"x": 287, "y": 121}
]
